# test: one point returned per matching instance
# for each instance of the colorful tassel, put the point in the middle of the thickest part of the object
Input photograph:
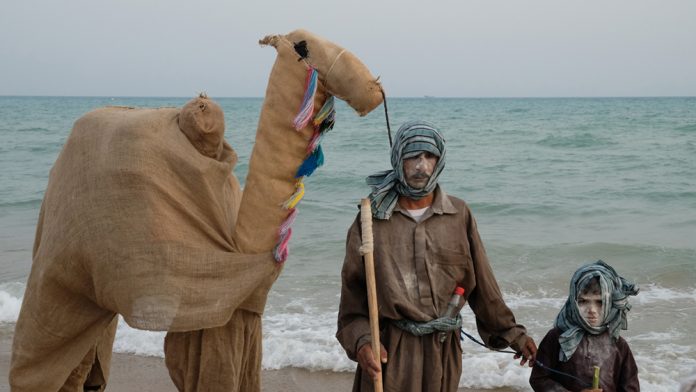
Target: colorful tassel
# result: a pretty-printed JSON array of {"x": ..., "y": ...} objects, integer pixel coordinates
[
  {"x": 317, "y": 137},
  {"x": 322, "y": 123},
  {"x": 307, "y": 107},
  {"x": 284, "y": 232},
  {"x": 280, "y": 253},
  {"x": 328, "y": 123},
  {"x": 311, "y": 163},
  {"x": 296, "y": 197},
  {"x": 325, "y": 110},
  {"x": 289, "y": 220}
]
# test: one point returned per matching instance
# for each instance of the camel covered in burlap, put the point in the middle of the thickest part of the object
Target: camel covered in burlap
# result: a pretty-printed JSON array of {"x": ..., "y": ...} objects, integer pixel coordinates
[{"x": 143, "y": 217}]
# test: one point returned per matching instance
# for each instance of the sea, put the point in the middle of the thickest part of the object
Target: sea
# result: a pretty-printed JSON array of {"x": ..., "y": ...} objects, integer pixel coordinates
[{"x": 554, "y": 183}]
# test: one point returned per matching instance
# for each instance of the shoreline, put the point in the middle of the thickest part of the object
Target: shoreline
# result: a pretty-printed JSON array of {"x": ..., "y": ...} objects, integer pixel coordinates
[{"x": 131, "y": 372}]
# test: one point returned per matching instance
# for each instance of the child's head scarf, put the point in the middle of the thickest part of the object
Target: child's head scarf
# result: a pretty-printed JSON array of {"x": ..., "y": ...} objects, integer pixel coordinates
[{"x": 615, "y": 291}]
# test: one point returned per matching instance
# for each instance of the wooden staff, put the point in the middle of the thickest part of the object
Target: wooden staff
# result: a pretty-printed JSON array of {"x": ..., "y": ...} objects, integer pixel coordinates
[{"x": 366, "y": 251}]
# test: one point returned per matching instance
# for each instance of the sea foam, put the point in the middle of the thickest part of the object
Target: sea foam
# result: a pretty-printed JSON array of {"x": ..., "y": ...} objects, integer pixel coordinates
[
  {"x": 299, "y": 334},
  {"x": 10, "y": 301}
]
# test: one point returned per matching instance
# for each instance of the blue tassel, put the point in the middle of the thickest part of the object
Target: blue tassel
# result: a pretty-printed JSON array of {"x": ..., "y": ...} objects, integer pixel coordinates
[{"x": 313, "y": 161}]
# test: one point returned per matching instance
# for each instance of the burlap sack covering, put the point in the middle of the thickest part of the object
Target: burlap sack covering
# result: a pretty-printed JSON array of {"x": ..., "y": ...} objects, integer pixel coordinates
[
  {"x": 342, "y": 73},
  {"x": 137, "y": 218},
  {"x": 203, "y": 123},
  {"x": 228, "y": 358},
  {"x": 280, "y": 149},
  {"x": 137, "y": 221}
]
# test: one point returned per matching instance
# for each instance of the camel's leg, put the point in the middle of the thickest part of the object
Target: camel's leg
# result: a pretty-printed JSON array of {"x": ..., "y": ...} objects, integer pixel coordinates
[
  {"x": 55, "y": 349},
  {"x": 92, "y": 373},
  {"x": 225, "y": 359}
]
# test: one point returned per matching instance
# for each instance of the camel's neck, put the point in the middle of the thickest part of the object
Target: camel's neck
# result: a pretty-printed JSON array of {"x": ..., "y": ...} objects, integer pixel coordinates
[{"x": 278, "y": 152}]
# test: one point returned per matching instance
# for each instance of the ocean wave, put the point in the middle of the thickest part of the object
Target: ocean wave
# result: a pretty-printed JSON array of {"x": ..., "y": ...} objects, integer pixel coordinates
[
  {"x": 490, "y": 370},
  {"x": 661, "y": 374},
  {"x": 294, "y": 341},
  {"x": 529, "y": 300},
  {"x": 518, "y": 209},
  {"x": 686, "y": 128},
  {"x": 298, "y": 313},
  {"x": 583, "y": 140},
  {"x": 656, "y": 336},
  {"x": 10, "y": 301},
  {"x": 653, "y": 294},
  {"x": 668, "y": 196},
  {"x": 135, "y": 341},
  {"x": 299, "y": 334},
  {"x": 649, "y": 295},
  {"x": 22, "y": 203},
  {"x": 640, "y": 257},
  {"x": 303, "y": 340},
  {"x": 52, "y": 148},
  {"x": 518, "y": 110},
  {"x": 35, "y": 129}
]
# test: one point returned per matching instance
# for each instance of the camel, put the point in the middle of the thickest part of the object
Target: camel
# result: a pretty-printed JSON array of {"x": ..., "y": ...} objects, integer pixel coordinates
[{"x": 143, "y": 218}]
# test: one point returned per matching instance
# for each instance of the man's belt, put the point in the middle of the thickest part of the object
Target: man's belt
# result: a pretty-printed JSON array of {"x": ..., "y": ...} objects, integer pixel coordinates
[{"x": 442, "y": 324}]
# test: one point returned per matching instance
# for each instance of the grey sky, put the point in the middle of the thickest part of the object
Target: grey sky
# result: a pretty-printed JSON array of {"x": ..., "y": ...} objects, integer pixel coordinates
[{"x": 481, "y": 48}]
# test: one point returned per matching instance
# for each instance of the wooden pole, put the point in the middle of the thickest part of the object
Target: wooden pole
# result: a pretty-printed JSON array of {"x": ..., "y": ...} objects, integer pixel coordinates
[{"x": 366, "y": 250}]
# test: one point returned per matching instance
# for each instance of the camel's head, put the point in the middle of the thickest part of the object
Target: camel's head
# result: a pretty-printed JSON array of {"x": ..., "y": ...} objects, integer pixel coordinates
[
  {"x": 340, "y": 71},
  {"x": 203, "y": 123}
]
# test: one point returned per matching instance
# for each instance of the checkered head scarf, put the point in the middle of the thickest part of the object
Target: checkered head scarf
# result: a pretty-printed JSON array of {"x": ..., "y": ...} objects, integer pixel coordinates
[
  {"x": 412, "y": 139},
  {"x": 614, "y": 290}
]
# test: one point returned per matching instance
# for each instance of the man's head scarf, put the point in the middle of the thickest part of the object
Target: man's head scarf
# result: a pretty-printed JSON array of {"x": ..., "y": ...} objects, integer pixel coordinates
[
  {"x": 615, "y": 292},
  {"x": 412, "y": 139}
]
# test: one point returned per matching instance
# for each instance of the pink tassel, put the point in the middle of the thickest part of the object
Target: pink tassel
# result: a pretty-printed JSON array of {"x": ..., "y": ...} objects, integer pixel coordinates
[
  {"x": 314, "y": 141},
  {"x": 289, "y": 220},
  {"x": 280, "y": 253}
]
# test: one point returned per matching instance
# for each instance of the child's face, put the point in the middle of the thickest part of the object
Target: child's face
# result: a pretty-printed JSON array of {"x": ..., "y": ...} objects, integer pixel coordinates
[{"x": 590, "y": 306}]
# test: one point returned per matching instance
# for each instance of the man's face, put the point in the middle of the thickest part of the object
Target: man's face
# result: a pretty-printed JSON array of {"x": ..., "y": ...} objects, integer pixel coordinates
[
  {"x": 590, "y": 306},
  {"x": 418, "y": 169}
]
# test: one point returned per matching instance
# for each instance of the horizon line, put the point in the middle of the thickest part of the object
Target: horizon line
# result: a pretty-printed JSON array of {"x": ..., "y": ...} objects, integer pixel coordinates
[{"x": 393, "y": 97}]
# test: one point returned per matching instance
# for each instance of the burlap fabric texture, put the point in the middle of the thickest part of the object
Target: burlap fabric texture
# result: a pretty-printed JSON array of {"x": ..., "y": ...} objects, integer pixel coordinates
[
  {"x": 228, "y": 358},
  {"x": 280, "y": 149},
  {"x": 136, "y": 220}
]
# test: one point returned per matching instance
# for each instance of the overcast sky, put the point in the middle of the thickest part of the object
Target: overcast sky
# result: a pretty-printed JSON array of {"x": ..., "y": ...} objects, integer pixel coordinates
[{"x": 458, "y": 48}]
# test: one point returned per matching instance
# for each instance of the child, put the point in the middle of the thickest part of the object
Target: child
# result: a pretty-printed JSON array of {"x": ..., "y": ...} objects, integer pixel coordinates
[{"x": 586, "y": 334}]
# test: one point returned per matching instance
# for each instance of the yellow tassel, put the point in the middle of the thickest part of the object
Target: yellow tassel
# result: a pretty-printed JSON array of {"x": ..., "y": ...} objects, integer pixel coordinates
[{"x": 296, "y": 197}]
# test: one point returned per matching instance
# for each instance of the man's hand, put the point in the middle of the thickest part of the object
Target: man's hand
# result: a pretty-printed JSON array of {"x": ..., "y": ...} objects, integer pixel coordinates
[
  {"x": 526, "y": 349},
  {"x": 367, "y": 361}
]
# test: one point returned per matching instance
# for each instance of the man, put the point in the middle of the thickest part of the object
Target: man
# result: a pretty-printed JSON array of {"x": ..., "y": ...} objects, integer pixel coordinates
[{"x": 425, "y": 244}]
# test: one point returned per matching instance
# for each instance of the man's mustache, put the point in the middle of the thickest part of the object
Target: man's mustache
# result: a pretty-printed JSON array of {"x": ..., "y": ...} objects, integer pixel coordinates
[{"x": 420, "y": 176}]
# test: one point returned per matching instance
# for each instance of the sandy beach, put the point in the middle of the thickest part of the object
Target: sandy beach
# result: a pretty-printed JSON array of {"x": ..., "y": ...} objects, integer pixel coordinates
[{"x": 137, "y": 373}]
